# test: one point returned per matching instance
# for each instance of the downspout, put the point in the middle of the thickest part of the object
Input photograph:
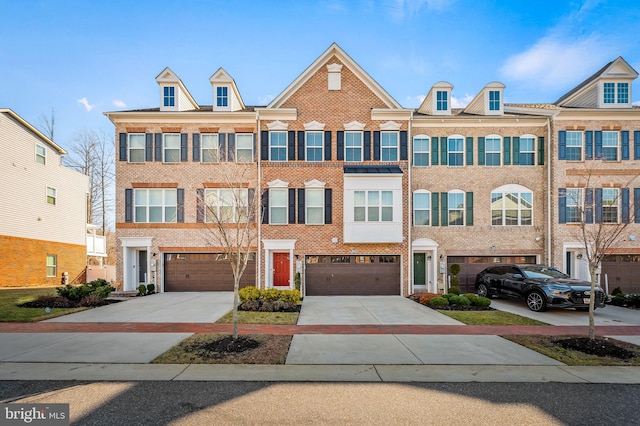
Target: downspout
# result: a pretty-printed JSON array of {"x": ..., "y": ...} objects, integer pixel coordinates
[
  {"x": 259, "y": 194},
  {"x": 410, "y": 209},
  {"x": 549, "y": 194}
]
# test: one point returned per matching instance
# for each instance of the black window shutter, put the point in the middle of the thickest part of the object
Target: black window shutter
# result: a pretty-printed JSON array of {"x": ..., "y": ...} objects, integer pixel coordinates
[
  {"x": 435, "y": 209},
  {"x": 184, "y": 147},
  {"x": 598, "y": 151},
  {"x": 158, "y": 147},
  {"x": 588, "y": 136},
  {"x": 340, "y": 145},
  {"x": 404, "y": 147},
  {"x": 123, "y": 147},
  {"x": 222, "y": 146},
  {"x": 291, "y": 155},
  {"x": 541, "y": 151},
  {"x": 625, "y": 144},
  {"x": 469, "y": 142},
  {"x": 444, "y": 208},
  {"x": 588, "y": 216},
  {"x": 625, "y": 205},
  {"x": 292, "y": 205},
  {"x": 264, "y": 145},
  {"x": 200, "y": 205},
  {"x": 231, "y": 147},
  {"x": 327, "y": 145},
  {"x": 265, "y": 206},
  {"x": 636, "y": 205},
  {"x": 301, "y": 216},
  {"x": 128, "y": 205},
  {"x": 562, "y": 147},
  {"x": 366, "y": 146},
  {"x": 327, "y": 206},
  {"x": 301, "y": 151},
  {"x": 444, "y": 153},
  {"x": 562, "y": 205},
  {"x": 636, "y": 145},
  {"x": 481, "y": 151},
  {"x": 251, "y": 205},
  {"x": 376, "y": 146},
  {"x": 516, "y": 150},
  {"x": 434, "y": 151},
  {"x": 195, "y": 154},
  {"x": 180, "y": 206},
  {"x": 598, "y": 205},
  {"x": 469, "y": 209},
  {"x": 507, "y": 150},
  {"x": 148, "y": 147}
]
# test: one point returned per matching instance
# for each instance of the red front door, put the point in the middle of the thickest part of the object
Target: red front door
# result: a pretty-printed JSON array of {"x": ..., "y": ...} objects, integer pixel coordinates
[{"x": 281, "y": 269}]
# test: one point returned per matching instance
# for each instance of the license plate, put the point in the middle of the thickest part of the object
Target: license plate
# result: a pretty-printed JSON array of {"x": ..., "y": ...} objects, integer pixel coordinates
[{"x": 586, "y": 301}]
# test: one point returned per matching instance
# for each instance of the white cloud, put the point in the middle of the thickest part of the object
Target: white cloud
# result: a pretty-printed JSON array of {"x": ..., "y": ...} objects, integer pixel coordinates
[
  {"x": 86, "y": 104},
  {"x": 414, "y": 101},
  {"x": 264, "y": 100},
  {"x": 636, "y": 103},
  {"x": 460, "y": 102},
  {"x": 119, "y": 103},
  {"x": 555, "y": 63}
]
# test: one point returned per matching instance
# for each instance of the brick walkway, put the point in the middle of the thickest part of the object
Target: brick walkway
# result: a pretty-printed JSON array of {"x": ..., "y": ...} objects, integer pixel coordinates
[{"x": 145, "y": 327}]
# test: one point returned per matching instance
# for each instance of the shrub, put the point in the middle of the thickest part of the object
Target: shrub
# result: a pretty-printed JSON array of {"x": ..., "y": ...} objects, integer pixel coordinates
[
  {"x": 49, "y": 302},
  {"x": 142, "y": 289},
  {"x": 619, "y": 299},
  {"x": 633, "y": 300},
  {"x": 617, "y": 291},
  {"x": 298, "y": 281},
  {"x": 248, "y": 293},
  {"x": 271, "y": 294},
  {"x": 92, "y": 301},
  {"x": 459, "y": 300},
  {"x": 447, "y": 295},
  {"x": 249, "y": 305},
  {"x": 267, "y": 306},
  {"x": 470, "y": 296},
  {"x": 151, "y": 288},
  {"x": 454, "y": 289},
  {"x": 290, "y": 296},
  {"x": 439, "y": 301},
  {"x": 425, "y": 298},
  {"x": 481, "y": 302}
]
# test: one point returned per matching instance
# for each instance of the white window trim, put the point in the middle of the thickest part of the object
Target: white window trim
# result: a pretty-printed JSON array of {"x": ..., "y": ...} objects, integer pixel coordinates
[
  {"x": 143, "y": 149},
  {"x": 54, "y": 266},
  {"x": 286, "y": 146},
  {"x": 499, "y": 152},
  {"x": 582, "y": 143},
  {"x": 361, "y": 146},
  {"x": 618, "y": 145},
  {"x": 421, "y": 192},
  {"x": 514, "y": 189},
  {"x": 535, "y": 153},
  {"x": 616, "y": 202},
  {"x": 286, "y": 205},
  {"x": 251, "y": 147},
  {"x": 163, "y": 206},
  {"x": 314, "y": 126},
  {"x": 217, "y": 147},
  {"x": 43, "y": 156},
  {"x": 615, "y": 103},
  {"x": 464, "y": 206},
  {"x": 413, "y": 158},
  {"x": 55, "y": 196},
  {"x": 235, "y": 205},
  {"x": 306, "y": 204},
  {"x": 307, "y": 147},
  {"x": 397, "y": 149},
  {"x": 456, "y": 152},
  {"x": 164, "y": 147},
  {"x": 579, "y": 205}
]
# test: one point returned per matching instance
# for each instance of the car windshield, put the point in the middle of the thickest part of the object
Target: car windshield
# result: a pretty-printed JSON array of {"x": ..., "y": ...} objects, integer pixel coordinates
[{"x": 542, "y": 272}]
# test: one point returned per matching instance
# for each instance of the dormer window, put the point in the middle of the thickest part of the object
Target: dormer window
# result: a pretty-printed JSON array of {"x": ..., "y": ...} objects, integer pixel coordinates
[
  {"x": 442, "y": 100},
  {"x": 169, "y": 98},
  {"x": 616, "y": 93},
  {"x": 494, "y": 100},
  {"x": 222, "y": 96}
]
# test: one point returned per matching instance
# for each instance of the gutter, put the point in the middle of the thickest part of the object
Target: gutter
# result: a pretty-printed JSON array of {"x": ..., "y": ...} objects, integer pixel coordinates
[
  {"x": 259, "y": 201},
  {"x": 549, "y": 196},
  {"x": 410, "y": 209}
]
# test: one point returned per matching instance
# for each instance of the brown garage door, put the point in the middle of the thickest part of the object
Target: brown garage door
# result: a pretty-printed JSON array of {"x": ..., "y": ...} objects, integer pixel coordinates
[
  {"x": 352, "y": 275},
  {"x": 203, "y": 272},
  {"x": 622, "y": 271},
  {"x": 471, "y": 265}
]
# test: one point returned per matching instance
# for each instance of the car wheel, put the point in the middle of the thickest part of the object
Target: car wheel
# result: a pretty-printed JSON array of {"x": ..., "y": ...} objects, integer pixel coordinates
[
  {"x": 483, "y": 291},
  {"x": 536, "y": 301}
]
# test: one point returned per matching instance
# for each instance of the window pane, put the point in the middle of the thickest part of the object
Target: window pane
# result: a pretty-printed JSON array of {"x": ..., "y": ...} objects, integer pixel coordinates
[
  {"x": 387, "y": 214},
  {"x": 421, "y": 217},
  {"x": 155, "y": 214},
  {"x": 155, "y": 197},
  {"x": 422, "y": 200},
  {"x": 358, "y": 198},
  {"x": 374, "y": 214},
  {"x": 315, "y": 215},
  {"x": 387, "y": 198},
  {"x": 278, "y": 215},
  {"x": 359, "y": 214},
  {"x": 141, "y": 214},
  {"x": 170, "y": 214}
]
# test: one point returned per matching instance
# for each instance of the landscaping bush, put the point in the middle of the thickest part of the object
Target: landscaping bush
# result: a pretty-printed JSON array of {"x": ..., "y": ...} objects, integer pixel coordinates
[
  {"x": 619, "y": 299},
  {"x": 99, "y": 287},
  {"x": 142, "y": 289},
  {"x": 481, "y": 302},
  {"x": 470, "y": 296},
  {"x": 633, "y": 300},
  {"x": 92, "y": 301},
  {"x": 248, "y": 293},
  {"x": 617, "y": 291},
  {"x": 249, "y": 305},
  {"x": 291, "y": 297},
  {"x": 271, "y": 294},
  {"x": 459, "y": 301},
  {"x": 447, "y": 295},
  {"x": 439, "y": 301},
  {"x": 454, "y": 289},
  {"x": 151, "y": 288}
]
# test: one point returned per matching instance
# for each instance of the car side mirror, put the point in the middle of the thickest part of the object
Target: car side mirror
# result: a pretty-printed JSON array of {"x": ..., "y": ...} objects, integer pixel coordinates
[{"x": 518, "y": 276}]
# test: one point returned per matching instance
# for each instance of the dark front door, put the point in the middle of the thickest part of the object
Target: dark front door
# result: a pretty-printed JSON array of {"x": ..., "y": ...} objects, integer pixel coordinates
[
  {"x": 142, "y": 267},
  {"x": 281, "y": 269},
  {"x": 419, "y": 270}
]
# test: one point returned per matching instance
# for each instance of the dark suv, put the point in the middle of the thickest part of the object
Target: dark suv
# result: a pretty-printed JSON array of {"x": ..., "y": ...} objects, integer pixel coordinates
[{"x": 541, "y": 286}]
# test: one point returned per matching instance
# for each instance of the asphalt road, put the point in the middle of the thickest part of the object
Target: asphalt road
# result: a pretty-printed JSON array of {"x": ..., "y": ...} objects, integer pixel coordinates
[{"x": 228, "y": 403}]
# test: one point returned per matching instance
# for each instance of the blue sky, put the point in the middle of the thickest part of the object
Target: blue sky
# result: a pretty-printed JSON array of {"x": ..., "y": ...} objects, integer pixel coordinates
[{"x": 81, "y": 58}]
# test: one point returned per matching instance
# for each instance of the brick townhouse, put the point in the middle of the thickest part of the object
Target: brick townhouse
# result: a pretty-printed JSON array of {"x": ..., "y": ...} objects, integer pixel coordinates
[{"x": 356, "y": 193}]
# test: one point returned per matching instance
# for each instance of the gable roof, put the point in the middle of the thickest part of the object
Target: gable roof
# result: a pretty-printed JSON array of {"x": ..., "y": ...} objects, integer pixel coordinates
[
  {"x": 334, "y": 50},
  {"x": 618, "y": 68},
  {"x": 478, "y": 105},
  {"x": 222, "y": 76},
  {"x": 37, "y": 133}
]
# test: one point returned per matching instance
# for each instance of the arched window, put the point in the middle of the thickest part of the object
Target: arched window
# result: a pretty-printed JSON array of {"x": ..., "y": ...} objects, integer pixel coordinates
[{"x": 512, "y": 205}]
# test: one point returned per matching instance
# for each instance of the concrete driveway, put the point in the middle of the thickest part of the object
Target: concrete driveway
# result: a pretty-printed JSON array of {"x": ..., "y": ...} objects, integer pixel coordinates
[{"x": 391, "y": 348}]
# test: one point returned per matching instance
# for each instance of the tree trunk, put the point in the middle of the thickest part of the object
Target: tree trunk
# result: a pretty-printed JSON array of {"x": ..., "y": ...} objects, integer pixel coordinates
[{"x": 592, "y": 305}]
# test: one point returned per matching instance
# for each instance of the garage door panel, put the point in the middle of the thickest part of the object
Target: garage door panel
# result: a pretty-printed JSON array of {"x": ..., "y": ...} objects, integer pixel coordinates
[
  {"x": 622, "y": 271},
  {"x": 202, "y": 272},
  {"x": 352, "y": 275}
]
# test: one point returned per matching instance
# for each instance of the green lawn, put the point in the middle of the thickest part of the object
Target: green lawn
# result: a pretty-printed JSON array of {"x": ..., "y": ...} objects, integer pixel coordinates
[
  {"x": 10, "y": 312},
  {"x": 490, "y": 318}
]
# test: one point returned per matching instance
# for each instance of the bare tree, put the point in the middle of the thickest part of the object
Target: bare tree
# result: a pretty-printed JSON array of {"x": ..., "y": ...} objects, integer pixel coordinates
[
  {"x": 229, "y": 213},
  {"x": 596, "y": 209},
  {"x": 47, "y": 124},
  {"x": 92, "y": 154}
]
